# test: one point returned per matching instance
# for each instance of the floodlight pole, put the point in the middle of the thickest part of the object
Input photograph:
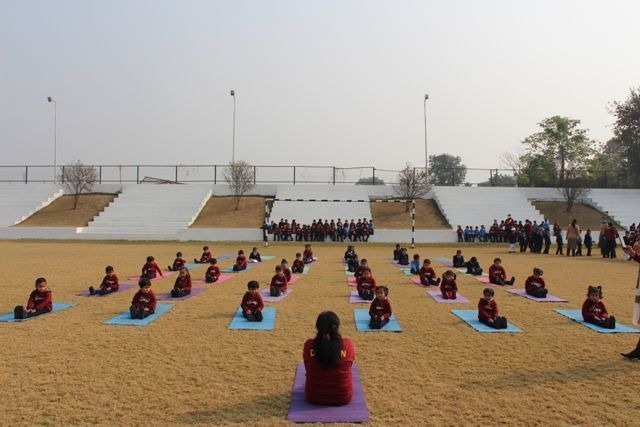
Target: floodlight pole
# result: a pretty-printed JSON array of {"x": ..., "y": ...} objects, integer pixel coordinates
[
  {"x": 426, "y": 152},
  {"x": 233, "y": 146},
  {"x": 55, "y": 137}
]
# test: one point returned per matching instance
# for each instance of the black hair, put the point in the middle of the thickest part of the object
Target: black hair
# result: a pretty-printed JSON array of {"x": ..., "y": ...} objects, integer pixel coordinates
[
  {"x": 144, "y": 282},
  {"x": 298, "y": 254},
  {"x": 488, "y": 291},
  {"x": 40, "y": 280},
  {"x": 213, "y": 261},
  {"x": 253, "y": 284},
  {"x": 150, "y": 258},
  {"x": 497, "y": 259},
  {"x": 595, "y": 290},
  {"x": 278, "y": 268},
  {"x": 383, "y": 289},
  {"x": 416, "y": 256},
  {"x": 204, "y": 248},
  {"x": 178, "y": 254},
  {"x": 109, "y": 269},
  {"x": 328, "y": 342}
]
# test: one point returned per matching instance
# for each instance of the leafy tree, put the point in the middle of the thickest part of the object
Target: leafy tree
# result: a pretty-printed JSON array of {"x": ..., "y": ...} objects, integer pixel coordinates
[
  {"x": 239, "y": 176},
  {"x": 445, "y": 169},
  {"x": 78, "y": 178},
  {"x": 412, "y": 183},
  {"x": 575, "y": 186},
  {"x": 627, "y": 134},
  {"x": 370, "y": 181}
]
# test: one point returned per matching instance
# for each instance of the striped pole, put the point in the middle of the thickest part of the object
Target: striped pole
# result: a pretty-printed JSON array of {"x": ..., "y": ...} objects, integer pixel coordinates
[{"x": 413, "y": 224}]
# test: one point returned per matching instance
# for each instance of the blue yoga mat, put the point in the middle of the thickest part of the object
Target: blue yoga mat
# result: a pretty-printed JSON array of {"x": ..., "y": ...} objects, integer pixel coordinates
[
  {"x": 347, "y": 272},
  {"x": 266, "y": 257},
  {"x": 305, "y": 271},
  {"x": 267, "y": 324},
  {"x": 230, "y": 269},
  {"x": 193, "y": 265},
  {"x": 362, "y": 322},
  {"x": 471, "y": 318},
  {"x": 125, "y": 317},
  {"x": 57, "y": 306},
  {"x": 577, "y": 316},
  {"x": 441, "y": 259},
  {"x": 407, "y": 272}
]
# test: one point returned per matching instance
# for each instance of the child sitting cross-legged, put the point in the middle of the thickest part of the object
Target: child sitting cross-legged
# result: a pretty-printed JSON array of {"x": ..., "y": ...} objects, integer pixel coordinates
[
  {"x": 109, "y": 283},
  {"x": 380, "y": 309},
  {"x": 488, "y": 311},
  {"x": 144, "y": 301},
  {"x": 182, "y": 286},
  {"x": 448, "y": 286},
  {"x": 252, "y": 304}
]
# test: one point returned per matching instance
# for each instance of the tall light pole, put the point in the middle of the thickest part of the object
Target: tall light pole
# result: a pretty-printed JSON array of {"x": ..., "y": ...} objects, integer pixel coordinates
[
  {"x": 55, "y": 137},
  {"x": 426, "y": 152},
  {"x": 233, "y": 147}
]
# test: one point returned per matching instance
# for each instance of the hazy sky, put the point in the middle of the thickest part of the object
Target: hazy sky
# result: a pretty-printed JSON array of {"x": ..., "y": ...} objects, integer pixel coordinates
[{"x": 317, "y": 82}]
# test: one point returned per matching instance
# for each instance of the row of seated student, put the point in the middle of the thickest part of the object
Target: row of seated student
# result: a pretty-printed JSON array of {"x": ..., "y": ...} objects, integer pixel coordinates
[{"x": 319, "y": 231}]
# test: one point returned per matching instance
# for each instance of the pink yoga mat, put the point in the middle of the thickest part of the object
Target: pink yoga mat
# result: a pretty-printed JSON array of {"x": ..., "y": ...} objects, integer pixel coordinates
[
  {"x": 167, "y": 296},
  {"x": 483, "y": 279},
  {"x": 222, "y": 278},
  {"x": 351, "y": 281},
  {"x": 355, "y": 298},
  {"x": 266, "y": 297},
  {"x": 123, "y": 287},
  {"x": 523, "y": 293},
  {"x": 437, "y": 295},
  {"x": 294, "y": 279}
]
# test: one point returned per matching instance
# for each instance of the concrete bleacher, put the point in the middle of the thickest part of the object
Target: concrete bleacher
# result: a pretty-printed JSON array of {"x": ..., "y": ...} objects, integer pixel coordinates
[
  {"x": 151, "y": 209},
  {"x": 622, "y": 205},
  {"x": 305, "y": 212},
  {"x": 481, "y": 205},
  {"x": 19, "y": 201}
]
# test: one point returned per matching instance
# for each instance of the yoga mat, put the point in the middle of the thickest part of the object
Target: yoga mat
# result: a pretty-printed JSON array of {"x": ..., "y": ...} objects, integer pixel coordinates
[
  {"x": 304, "y": 271},
  {"x": 193, "y": 265},
  {"x": 57, "y": 306},
  {"x": 124, "y": 318},
  {"x": 462, "y": 270},
  {"x": 266, "y": 257},
  {"x": 267, "y": 324},
  {"x": 294, "y": 279},
  {"x": 576, "y": 315},
  {"x": 437, "y": 295},
  {"x": 407, "y": 272},
  {"x": 222, "y": 278},
  {"x": 395, "y": 263},
  {"x": 268, "y": 298},
  {"x": 230, "y": 269},
  {"x": 471, "y": 318},
  {"x": 416, "y": 281},
  {"x": 355, "y": 298},
  {"x": 166, "y": 274},
  {"x": 123, "y": 287},
  {"x": 302, "y": 411},
  {"x": 362, "y": 322},
  {"x": 347, "y": 272},
  {"x": 225, "y": 256},
  {"x": 485, "y": 280},
  {"x": 442, "y": 259},
  {"x": 168, "y": 297},
  {"x": 351, "y": 281},
  {"x": 523, "y": 293}
]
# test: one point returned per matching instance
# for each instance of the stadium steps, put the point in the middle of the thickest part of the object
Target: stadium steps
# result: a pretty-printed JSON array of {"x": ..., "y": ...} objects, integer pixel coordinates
[
  {"x": 621, "y": 205},
  {"x": 19, "y": 201},
  {"x": 161, "y": 209},
  {"x": 304, "y": 212},
  {"x": 475, "y": 206}
]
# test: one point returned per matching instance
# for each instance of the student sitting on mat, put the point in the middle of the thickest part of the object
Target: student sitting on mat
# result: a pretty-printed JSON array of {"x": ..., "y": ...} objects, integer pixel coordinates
[
  {"x": 353, "y": 263},
  {"x": 488, "y": 311},
  {"x": 143, "y": 303},
  {"x": 285, "y": 269},
  {"x": 109, "y": 283},
  {"x": 415, "y": 264},
  {"x": 396, "y": 252},
  {"x": 182, "y": 285},
  {"x": 150, "y": 269},
  {"x": 498, "y": 275},
  {"x": 40, "y": 301},
  {"x": 366, "y": 285},
  {"x": 252, "y": 304},
  {"x": 428, "y": 274},
  {"x": 535, "y": 286},
  {"x": 458, "y": 260},
  {"x": 213, "y": 272},
  {"x": 254, "y": 256},
  {"x": 178, "y": 263},
  {"x": 349, "y": 253},
  {"x": 328, "y": 359},
  {"x": 594, "y": 311},
  {"x": 298, "y": 264},
  {"x": 380, "y": 308},
  {"x": 279, "y": 283},
  {"x": 473, "y": 267},
  {"x": 448, "y": 286},
  {"x": 307, "y": 254},
  {"x": 241, "y": 261},
  {"x": 205, "y": 257},
  {"x": 364, "y": 265},
  {"x": 404, "y": 257}
]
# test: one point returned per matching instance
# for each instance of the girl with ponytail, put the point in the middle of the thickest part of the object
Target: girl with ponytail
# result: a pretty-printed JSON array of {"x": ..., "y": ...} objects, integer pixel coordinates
[{"x": 328, "y": 359}]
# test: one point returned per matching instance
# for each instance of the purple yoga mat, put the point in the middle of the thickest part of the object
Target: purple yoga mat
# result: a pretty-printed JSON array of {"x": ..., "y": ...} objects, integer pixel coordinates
[
  {"x": 355, "y": 298},
  {"x": 302, "y": 411},
  {"x": 222, "y": 278},
  {"x": 123, "y": 287},
  {"x": 523, "y": 293},
  {"x": 266, "y": 297},
  {"x": 351, "y": 281},
  {"x": 437, "y": 295},
  {"x": 166, "y": 274},
  {"x": 168, "y": 297}
]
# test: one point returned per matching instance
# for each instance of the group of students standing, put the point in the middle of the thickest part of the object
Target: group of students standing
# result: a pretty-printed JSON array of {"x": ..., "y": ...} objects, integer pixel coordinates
[{"x": 319, "y": 231}]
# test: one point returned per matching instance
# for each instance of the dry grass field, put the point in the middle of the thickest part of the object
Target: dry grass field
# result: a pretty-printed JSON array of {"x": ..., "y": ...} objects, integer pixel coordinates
[
  {"x": 187, "y": 368},
  {"x": 60, "y": 212}
]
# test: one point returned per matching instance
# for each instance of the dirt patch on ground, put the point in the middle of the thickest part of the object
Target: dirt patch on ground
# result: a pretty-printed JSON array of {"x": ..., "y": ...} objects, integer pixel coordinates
[
  {"x": 219, "y": 212},
  {"x": 60, "y": 212},
  {"x": 187, "y": 368},
  {"x": 394, "y": 216},
  {"x": 587, "y": 216}
]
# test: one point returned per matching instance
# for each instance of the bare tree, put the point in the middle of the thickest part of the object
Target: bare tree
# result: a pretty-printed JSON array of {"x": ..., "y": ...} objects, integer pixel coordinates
[
  {"x": 239, "y": 176},
  {"x": 412, "y": 183},
  {"x": 573, "y": 188},
  {"x": 78, "y": 178}
]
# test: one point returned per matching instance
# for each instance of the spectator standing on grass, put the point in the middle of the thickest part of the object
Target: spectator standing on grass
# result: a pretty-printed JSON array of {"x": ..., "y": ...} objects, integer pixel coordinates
[{"x": 573, "y": 234}]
